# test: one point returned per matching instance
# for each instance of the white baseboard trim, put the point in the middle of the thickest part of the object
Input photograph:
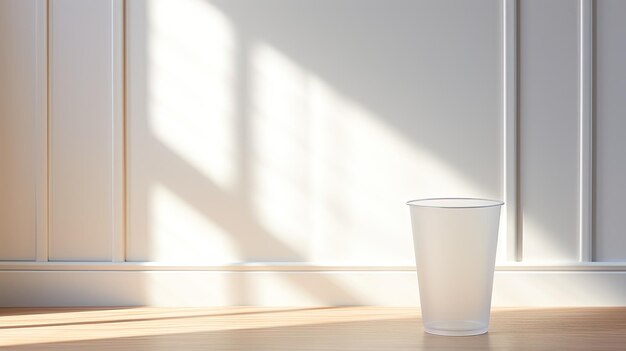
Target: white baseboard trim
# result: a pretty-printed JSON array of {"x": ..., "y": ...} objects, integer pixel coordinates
[
  {"x": 282, "y": 266},
  {"x": 297, "y": 287}
]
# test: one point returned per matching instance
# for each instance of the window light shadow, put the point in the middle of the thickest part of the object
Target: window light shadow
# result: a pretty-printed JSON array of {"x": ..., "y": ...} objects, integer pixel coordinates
[{"x": 244, "y": 146}]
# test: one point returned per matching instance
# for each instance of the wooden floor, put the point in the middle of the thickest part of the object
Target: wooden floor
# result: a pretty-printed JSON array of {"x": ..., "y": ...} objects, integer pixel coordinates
[{"x": 324, "y": 328}]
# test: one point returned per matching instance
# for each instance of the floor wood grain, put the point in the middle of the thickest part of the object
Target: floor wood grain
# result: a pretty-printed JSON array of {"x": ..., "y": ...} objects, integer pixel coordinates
[{"x": 323, "y": 328}]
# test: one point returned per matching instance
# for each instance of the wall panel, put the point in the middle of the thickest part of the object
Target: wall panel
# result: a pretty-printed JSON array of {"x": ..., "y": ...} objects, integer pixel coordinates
[
  {"x": 22, "y": 118},
  {"x": 548, "y": 78},
  {"x": 83, "y": 114},
  {"x": 610, "y": 98}
]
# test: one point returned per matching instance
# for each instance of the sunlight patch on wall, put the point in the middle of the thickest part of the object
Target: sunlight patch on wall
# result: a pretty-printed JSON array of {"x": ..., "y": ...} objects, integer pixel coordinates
[
  {"x": 280, "y": 153},
  {"x": 329, "y": 177},
  {"x": 192, "y": 96},
  {"x": 326, "y": 179},
  {"x": 181, "y": 234}
]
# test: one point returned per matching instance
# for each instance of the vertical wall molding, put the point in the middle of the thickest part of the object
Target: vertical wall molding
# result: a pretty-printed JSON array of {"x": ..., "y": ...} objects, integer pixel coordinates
[
  {"x": 585, "y": 117},
  {"x": 118, "y": 125},
  {"x": 41, "y": 153},
  {"x": 125, "y": 62},
  {"x": 510, "y": 132}
]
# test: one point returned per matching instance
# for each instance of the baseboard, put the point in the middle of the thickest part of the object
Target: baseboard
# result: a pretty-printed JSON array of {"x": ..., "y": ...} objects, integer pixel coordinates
[{"x": 291, "y": 287}]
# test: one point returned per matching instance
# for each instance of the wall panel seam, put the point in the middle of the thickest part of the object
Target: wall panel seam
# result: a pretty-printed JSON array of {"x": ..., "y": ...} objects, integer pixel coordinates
[
  {"x": 125, "y": 61},
  {"x": 117, "y": 132},
  {"x": 42, "y": 135},
  {"x": 585, "y": 83},
  {"x": 510, "y": 132}
]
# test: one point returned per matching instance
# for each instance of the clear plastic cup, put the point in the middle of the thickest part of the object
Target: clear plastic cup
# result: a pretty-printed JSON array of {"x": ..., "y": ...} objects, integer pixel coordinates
[{"x": 455, "y": 243}]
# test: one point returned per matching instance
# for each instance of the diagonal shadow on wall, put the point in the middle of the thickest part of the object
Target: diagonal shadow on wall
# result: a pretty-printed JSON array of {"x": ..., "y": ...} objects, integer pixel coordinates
[{"x": 253, "y": 157}]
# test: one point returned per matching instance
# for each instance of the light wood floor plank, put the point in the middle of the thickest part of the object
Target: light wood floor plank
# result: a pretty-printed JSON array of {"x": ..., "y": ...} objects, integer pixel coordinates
[{"x": 323, "y": 328}]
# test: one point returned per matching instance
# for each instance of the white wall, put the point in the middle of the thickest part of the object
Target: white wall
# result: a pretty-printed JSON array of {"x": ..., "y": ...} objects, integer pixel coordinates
[
  {"x": 234, "y": 152},
  {"x": 251, "y": 142}
]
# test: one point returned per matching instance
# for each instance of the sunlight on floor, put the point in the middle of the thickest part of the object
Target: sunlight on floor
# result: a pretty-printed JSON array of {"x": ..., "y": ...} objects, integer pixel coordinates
[
  {"x": 316, "y": 328},
  {"x": 20, "y": 327}
]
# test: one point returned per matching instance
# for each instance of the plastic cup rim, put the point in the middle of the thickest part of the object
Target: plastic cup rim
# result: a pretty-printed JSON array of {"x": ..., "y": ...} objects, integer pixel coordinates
[{"x": 460, "y": 200}]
